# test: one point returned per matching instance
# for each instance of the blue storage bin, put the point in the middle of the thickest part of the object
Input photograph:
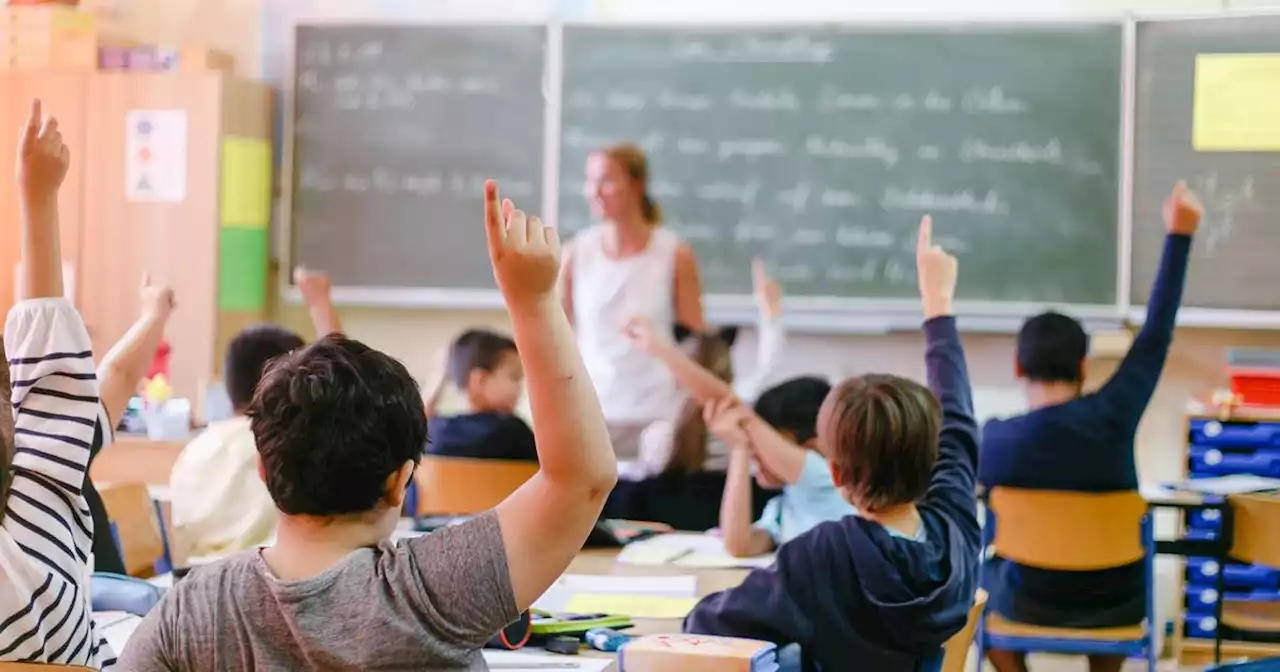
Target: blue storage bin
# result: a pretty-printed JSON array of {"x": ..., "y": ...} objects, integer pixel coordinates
[
  {"x": 1243, "y": 434},
  {"x": 1201, "y": 625},
  {"x": 1212, "y": 461},
  {"x": 1201, "y": 599},
  {"x": 1200, "y": 535},
  {"x": 1207, "y": 519},
  {"x": 1204, "y": 571}
]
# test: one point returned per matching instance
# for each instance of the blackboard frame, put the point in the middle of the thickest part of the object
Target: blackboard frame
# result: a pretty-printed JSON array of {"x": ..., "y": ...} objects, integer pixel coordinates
[
  {"x": 1193, "y": 316},
  {"x": 814, "y": 315}
]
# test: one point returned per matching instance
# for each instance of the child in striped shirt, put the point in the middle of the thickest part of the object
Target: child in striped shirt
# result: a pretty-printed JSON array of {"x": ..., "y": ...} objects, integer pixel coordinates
[{"x": 46, "y": 530}]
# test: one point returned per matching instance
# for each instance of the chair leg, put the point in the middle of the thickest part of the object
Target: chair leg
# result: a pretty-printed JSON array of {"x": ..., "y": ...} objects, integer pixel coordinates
[{"x": 1152, "y": 655}]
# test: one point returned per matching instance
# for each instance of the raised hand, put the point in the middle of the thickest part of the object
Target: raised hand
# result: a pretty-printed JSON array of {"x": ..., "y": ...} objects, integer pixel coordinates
[
  {"x": 766, "y": 290},
  {"x": 936, "y": 273},
  {"x": 157, "y": 300},
  {"x": 315, "y": 286},
  {"x": 726, "y": 419},
  {"x": 1182, "y": 211},
  {"x": 640, "y": 332},
  {"x": 525, "y": 254},
  {"x": 43, "y": 159}
]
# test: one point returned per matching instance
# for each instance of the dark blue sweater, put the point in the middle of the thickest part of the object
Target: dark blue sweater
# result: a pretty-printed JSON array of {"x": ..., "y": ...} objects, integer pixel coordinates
[
  {"x": 1086, "y": 444},
  {"x": 491, "y": 436},
  {"x": 852, "y": 595}
]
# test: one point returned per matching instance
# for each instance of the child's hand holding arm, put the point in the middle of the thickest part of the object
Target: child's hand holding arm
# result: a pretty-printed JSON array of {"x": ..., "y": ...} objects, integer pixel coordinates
[{"x": 724, "y": 419}]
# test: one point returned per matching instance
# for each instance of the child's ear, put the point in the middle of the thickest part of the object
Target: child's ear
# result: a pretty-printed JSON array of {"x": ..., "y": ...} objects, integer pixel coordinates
[
  {"x": 475, "y": 378},
  {"x": 398, "y": 484},
  {"x": 729, "y": 334}
]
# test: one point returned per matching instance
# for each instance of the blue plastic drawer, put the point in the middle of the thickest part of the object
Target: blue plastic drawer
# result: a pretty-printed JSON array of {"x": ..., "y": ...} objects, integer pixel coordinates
[
  {"x": 1201, "y": 625},
  {"x": 1207, "y": 461},
  {"x": 1200, "y": 535},
  {"x": 1205, "y": 519},
  {"x": 1243, "y": 434},
  {"x": 1204, "y": 571},
  {"x": 1201, "y": 599}
]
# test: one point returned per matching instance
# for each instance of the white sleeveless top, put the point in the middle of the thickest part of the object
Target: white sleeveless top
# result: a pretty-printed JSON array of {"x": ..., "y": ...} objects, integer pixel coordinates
[{"x": 633, "y": 387}]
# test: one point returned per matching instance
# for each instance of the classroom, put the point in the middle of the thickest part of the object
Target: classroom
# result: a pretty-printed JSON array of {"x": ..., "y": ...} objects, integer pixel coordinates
[{"x": 640, "y": 335}]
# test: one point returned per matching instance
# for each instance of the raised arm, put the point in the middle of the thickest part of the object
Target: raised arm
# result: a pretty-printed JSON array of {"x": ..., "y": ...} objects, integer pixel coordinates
[
  {"x": 545, "y": 522},
  {"x": 1126, "y": 394},
  {"x": 126, "y": 363},
  {"x": 948, "y": 377},
  {"x": 54, "y": 390},
  {"x": 317, "y": 293},
  {"x": 724, "y": 418},
  {"x": 564, "y": 284},
  {"x": 700, "y": 383},
  {"x": 770, "y": 334}
]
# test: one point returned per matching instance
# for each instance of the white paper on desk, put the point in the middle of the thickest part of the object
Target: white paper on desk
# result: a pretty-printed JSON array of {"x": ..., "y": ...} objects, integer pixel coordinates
[
  {"x": 655, "y": 586},
  {"x": 115, "y": 628},
  {"x": 686, "y": 550},
  {"x": 1238, "y": 484},
  {"x": 536, "y": 660}
]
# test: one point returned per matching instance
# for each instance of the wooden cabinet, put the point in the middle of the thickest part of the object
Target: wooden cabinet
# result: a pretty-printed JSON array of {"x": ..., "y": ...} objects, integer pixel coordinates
[{"x": 111, "y": 240}]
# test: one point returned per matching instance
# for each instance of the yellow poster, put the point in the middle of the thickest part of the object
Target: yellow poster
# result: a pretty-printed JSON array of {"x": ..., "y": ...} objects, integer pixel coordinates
[
  {"x": 246, "y": 183},
  {"x": 1237, "y": 103}
]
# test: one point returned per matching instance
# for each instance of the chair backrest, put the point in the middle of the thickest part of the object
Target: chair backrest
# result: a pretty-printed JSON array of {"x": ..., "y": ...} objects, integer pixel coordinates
[
  {"x": 133, "y": 516},
  {"x": 956, "y": 651},
  {"x": 1255, "y": 521},
  {"x": 463, "y": 486},
  {"x": 1068, "y": 531}
]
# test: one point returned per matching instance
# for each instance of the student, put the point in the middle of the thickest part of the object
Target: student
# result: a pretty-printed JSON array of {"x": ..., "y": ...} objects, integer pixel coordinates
[
  {"x": 46, "y": 533},
  {"x": 885, "y": 589},
  {"x": 219, "y": 504},
  {"x": 485, "y": 366},
  {"x": 1082, "y": 442},
  {"x": 119, "y": 374},
  {"x": 340, "y": 428},
  {"x": 678, "y": 476},
  {"x": 782, "y": 436}
]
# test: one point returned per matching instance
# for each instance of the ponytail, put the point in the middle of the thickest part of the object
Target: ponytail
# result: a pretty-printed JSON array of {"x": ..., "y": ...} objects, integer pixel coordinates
[{"x": 650, "y": 209}]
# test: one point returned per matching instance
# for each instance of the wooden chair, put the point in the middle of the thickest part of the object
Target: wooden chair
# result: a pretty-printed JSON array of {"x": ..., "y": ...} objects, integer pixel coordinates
[
  {"x": 1071, "y": 531},
  {"x": 449, "y": 486},
  {"x": 135, "y": 527},
  {"x": 956, "y": 652},
  {"x": 1254, "y": 541}
]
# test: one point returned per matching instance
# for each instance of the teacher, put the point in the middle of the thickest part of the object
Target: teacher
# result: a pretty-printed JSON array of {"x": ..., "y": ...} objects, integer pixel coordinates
[{"x": 628, "y": 266}]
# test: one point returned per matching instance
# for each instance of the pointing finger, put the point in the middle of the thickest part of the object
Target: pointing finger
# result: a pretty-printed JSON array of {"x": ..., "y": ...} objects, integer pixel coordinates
[
  {"x": 32, "y": 128},
  {"x": 517, "y": 228},
  {"x": 493, "y": 229},
  {"x": 925, "y": 242}
]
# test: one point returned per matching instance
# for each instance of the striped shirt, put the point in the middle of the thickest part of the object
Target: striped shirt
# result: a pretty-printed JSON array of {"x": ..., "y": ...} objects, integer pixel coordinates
[{"x": 47, "y": 532}]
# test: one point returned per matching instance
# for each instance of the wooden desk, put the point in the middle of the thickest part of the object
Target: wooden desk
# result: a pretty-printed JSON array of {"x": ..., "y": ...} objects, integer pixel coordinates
[
  {"x": 602, "y": 562},
  {"x": 134, "y": 458}
]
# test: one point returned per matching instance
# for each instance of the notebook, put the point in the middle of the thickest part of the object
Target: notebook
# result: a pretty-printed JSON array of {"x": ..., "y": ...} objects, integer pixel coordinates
[{"x": 697, "y": 653}]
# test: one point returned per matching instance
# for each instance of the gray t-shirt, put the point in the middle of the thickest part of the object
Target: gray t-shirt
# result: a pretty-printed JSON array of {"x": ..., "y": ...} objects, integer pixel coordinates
[{"x": 428, "y": 603}]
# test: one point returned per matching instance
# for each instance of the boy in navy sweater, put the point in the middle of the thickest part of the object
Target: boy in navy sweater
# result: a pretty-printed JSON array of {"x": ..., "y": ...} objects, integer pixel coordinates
[
  {"x": 1084, "y": 443},
  {"x": 885, "y": 589},
  {"x": 486, "y": 367}
]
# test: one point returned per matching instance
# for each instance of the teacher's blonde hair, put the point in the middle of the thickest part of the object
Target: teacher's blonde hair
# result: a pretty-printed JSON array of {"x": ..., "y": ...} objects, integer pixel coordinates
[{"x": 632, "y": 159}]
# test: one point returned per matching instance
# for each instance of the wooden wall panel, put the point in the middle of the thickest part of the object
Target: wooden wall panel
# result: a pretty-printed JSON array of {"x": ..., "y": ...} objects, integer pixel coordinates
[{"x": 176, "y": 243}]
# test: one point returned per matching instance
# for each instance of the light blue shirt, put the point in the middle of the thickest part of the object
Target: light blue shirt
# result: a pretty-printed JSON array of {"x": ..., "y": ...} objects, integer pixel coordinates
[{"x": 811, "y": 500}]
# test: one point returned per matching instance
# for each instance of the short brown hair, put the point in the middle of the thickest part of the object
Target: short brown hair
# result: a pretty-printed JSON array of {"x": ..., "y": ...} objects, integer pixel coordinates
[
  {"x": 881, "y": 432},
  {"x": 633, "y": 161}
]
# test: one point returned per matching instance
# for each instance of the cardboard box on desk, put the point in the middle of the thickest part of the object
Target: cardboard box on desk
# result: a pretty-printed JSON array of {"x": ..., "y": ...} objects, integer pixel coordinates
[{"x": 697, "y": 653}]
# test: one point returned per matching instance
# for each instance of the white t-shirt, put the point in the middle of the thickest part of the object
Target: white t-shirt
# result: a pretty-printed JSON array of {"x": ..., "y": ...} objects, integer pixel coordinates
[{"x": 220, "y": 504}]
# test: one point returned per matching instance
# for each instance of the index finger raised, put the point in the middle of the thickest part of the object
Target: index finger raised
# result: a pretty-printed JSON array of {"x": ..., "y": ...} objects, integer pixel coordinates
[
  {"x": 924, "y": 242},
  {"x": 493, "y": 229}
]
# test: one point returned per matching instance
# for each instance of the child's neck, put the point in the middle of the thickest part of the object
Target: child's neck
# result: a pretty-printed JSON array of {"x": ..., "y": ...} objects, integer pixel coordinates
[
  {"x": 306, "y": 546},
  {"x": 903, "y": 519},
  {"x": 1042, "y": 394}
]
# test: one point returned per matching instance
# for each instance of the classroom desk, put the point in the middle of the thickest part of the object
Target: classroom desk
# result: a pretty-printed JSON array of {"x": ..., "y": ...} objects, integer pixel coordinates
[{"x": 133, "y": 458}]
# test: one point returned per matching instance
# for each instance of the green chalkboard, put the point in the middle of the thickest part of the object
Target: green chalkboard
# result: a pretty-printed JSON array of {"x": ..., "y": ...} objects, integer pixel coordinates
[
  {"x": 821, "y": 147},
  {"x": 395, "y": 129},
  {"x": 1233, "y": 261}
]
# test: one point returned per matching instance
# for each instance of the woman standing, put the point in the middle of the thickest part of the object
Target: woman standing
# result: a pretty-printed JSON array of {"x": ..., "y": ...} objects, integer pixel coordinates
[{"x": 628, "y": 267}]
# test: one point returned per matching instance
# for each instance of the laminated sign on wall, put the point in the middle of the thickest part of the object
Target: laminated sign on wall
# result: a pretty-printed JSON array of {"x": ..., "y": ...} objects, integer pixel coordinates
[{"x": 155, "y": 156}]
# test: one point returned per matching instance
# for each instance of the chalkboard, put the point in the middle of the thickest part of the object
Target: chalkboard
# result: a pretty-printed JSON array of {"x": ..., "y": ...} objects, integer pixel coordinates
[
  {"x": 1233, "y": 264},
  {"x": 395, "y": 129},
  {"x": 820, "y": 148}
]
